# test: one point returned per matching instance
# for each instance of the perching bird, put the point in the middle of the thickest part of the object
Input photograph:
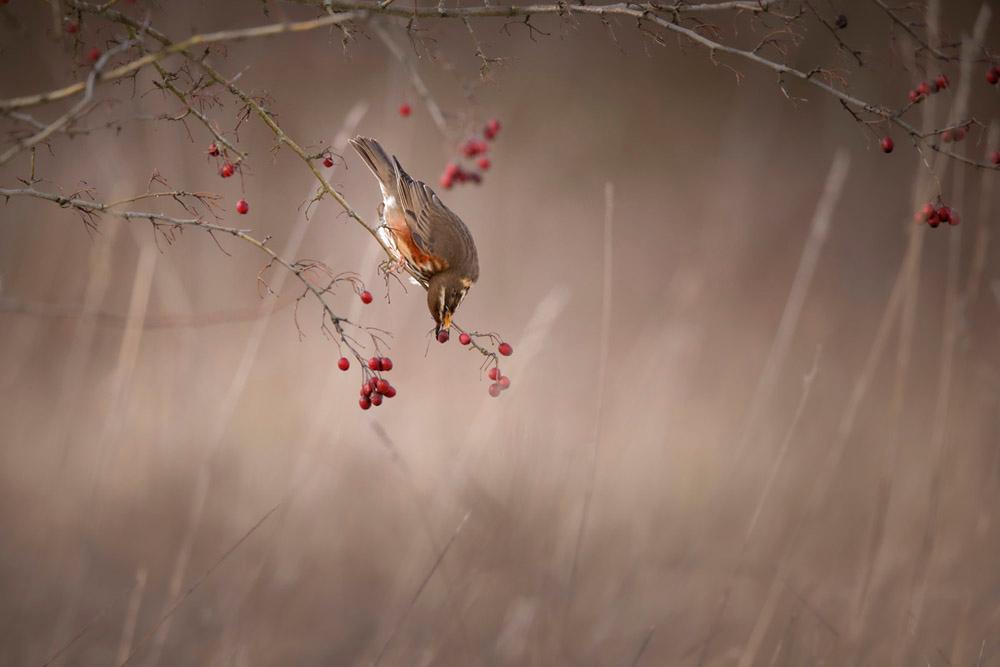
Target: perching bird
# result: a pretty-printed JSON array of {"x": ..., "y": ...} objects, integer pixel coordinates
[{"x": 433, "y": 242}]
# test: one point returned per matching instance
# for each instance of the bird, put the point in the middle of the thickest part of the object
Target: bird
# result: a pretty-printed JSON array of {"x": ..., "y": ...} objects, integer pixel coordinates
[{"x": 427, "y": 237}]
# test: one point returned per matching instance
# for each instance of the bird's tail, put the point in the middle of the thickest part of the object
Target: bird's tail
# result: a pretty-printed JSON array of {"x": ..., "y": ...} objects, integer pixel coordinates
[{"x": 378, "y": 162}]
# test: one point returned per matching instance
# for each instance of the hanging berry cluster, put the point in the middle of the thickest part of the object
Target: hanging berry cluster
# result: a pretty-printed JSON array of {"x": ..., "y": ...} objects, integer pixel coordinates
[
  {"x": 474, "y": 150},
  {"x": 936, "y": 215},
  {"x": 924, "y": 90},
  {"x": 375, "y": 388}
]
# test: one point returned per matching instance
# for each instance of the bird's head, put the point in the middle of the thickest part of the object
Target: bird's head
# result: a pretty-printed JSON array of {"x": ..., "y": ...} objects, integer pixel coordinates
[{"x": 445, "y": 292}]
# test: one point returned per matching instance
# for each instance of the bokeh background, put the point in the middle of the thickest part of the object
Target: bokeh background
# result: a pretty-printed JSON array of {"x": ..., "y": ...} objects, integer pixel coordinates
[{"x": 187, "y": 480}]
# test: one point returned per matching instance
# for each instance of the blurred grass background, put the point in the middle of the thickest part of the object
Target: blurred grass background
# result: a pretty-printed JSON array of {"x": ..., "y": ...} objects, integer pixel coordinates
[{"x": 142, "y": 437}]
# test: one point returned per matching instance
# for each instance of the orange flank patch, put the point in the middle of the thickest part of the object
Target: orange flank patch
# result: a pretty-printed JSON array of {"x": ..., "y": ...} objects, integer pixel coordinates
[{"x": 408, "y": 247}]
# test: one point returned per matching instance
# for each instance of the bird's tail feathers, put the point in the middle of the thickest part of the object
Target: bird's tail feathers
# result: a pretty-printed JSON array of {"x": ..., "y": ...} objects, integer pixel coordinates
[{"x": 380, "y": 164}]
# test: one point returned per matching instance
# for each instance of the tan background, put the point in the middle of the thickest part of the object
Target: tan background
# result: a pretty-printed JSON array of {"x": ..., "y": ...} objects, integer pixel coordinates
[{"x": 148, "y": 451}]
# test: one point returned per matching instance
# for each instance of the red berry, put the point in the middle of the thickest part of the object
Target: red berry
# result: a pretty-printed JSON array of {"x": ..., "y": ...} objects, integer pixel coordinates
[
  {"x": 995, "y": 157},
  {"x": 504, "y": 382},
  {"x": 493, "y": 126},
  {"x": 366, "y": 389},
  {"x": 947, "y": 136},
  {"x": 227, "y": 169},
  {"x": 377, "y": 400},
  {"x": 72, "y": 27},
  {"x": 213, "y": 149},
  {"x": 944, "y": 214},
  {"x": 495, "y": 390},
  {"x": 505, "y": 349},
  {"x": 443, "y": 336},
  {"x": 953, "y": 219},
  {"x": 374, "y": 364},
  {"x": 494, "y": 373},
  {"x": 993, "y": 75},
  {"x": 452, "y": 170},
  {"x": 343, "y": 363},
  {"x": 933, "y": 221},
  {"x": 386, "y": 363},
  {"x": 381, "y": 386},
  {"x": 365, "y": 403},
  {"x": 942, "y": 81},
  {"x": 927, "y": 210},
  {"x": 404, "y": 109},
  {"x": 960, "y": 133},
  {"x": 446, "y": 182},
  {"x": 914, "y": 96},
  {"x": 94, "y": 55},
  {"x": 924, "y": 88},
  {"x": 366, "y": 297},
  {"x": 328, "y": 162},
  {"x": 484, "y": 163},
  {"x": 489, "y": 134},
  {"x": 464, "y": 338},
  {"x": 887, "y": 144},
  {"x": 242, "y": 207},
  {"x": 389, "y": 392}
]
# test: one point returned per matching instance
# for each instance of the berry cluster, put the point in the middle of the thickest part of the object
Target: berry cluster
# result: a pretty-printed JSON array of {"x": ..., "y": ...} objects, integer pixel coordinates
[
  {"x": 473, "y": 149},
  {"x": 500, "y": 381},
  {"x": 374, "y": 388},
  {"x": 227, "y": 169},
  {"x": 926, "y": 89},
  {"x": 954, "y": 134},
  {"x": 935, "y": 215}
]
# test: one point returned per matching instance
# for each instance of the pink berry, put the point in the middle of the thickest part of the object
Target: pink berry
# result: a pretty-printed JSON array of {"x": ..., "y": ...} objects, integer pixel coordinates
[
  {"x": 947, "y": 136},
  {"x": 366, "y": 297},
  {"x": 495, "y": 390},
  {"x": 464, "y": 338},
  {"x": 505, "y": 349},
  {"x": 242, "y": 207},
  {"x": 924, "y": 88},
  {"x": 995, "y": 157},
  {"x": 213, "y": 149},
  {"x": 942, "y": 81},
  {"x": 493, "y": 126},
  {"x": 484, "y": 163},
  {"x": 887, "y": 144},
  {"x": 404, "y": 110},
  {"x": 914, "y": 96},
  {"x": 94, "y": 55},
  {"x": 364, "y": 402},
  {"x": 504, "y": 382},
  {"x": 343, "y": 363},
  {"x": 443, "y": 336},
  {"x": 494, "y": 373}
]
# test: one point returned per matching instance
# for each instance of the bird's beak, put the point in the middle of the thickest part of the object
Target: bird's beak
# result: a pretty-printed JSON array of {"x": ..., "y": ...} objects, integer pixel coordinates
[{"x": 446, "y": 321}]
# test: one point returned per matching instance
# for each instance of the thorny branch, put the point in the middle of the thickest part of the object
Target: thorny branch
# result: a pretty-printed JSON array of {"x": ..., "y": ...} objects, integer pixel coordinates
[
  {"x": 663, "y": 16},
  {"x": 89, "y": 209}
]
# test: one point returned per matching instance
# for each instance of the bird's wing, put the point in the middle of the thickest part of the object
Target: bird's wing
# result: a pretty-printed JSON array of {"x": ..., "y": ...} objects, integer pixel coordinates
[{"x": 428, "y": 219}]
